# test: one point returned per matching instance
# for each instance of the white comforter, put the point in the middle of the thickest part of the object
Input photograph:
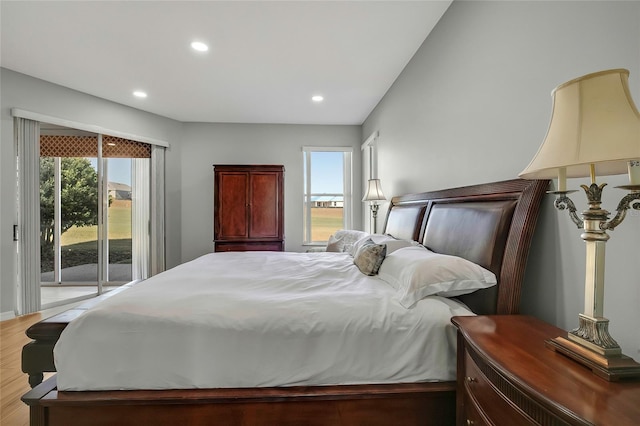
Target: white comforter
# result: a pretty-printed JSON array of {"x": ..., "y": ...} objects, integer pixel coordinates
[{"x": 258, "y": 319}]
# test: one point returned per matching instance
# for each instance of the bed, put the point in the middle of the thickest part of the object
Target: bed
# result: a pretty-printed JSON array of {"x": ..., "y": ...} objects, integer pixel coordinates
[{"x": 490, "y": 225}]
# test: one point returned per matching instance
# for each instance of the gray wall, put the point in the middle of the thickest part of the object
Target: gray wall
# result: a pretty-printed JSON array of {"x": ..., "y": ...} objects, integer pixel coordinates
[
  {"x": 473, "y": 105},
  {"x": 24, "y": 92},
  {"x": 205, "y": 144}
]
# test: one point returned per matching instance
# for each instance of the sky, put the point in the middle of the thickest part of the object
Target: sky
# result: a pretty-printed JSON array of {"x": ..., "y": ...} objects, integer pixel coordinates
[
  {"x": 119, "y": 169},
  {"x": 326, "y": 172}
]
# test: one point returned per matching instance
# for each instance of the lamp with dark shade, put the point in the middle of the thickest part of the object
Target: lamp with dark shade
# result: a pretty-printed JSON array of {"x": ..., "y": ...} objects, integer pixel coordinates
[
  {"x": 594, "y": 131},
  {"x": 373, "y": 195}
]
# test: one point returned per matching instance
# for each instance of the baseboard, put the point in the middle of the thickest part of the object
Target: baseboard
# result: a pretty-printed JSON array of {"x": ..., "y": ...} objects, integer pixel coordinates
[{"x": 7, "y": 315}]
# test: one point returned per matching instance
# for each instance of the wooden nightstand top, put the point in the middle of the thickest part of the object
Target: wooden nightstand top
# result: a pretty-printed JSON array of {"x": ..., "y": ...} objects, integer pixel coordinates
[{"x": 514, "y": 345}]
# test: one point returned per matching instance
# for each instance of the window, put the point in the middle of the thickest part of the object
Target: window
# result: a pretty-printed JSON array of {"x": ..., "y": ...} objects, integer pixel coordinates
[{"x": 327, "y": 192}]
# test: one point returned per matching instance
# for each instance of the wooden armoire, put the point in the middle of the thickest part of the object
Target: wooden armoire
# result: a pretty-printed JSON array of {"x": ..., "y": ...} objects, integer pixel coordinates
[{"x": 248, "y": 208}]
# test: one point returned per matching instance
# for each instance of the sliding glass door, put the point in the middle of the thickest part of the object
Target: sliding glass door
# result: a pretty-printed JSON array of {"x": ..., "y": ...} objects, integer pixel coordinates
[{"x": 93, "y": 189}]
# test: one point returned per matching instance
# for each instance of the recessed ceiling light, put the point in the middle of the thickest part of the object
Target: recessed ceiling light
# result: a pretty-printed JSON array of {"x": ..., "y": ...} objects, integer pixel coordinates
[
  {"x": 140, "y": 94},
  {"x": 317, "y": 98},
  {"x": 199, "y": 46}
]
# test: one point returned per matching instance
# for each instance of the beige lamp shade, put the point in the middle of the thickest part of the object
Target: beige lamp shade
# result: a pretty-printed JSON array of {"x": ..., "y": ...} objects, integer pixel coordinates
[
  {"x": 594, "y": 121},
  {"x": 374, "y": 191}
]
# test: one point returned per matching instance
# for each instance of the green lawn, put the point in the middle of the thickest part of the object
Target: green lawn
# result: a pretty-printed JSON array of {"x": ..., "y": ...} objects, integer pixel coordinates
[
  {"x": 324, "y": 222},
  {"x": 80, "y": 243},
  {"x": 119, "y": 226}
]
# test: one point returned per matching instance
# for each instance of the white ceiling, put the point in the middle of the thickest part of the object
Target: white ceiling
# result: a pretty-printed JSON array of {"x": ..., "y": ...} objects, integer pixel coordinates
[{"x": 265, "y": 60}]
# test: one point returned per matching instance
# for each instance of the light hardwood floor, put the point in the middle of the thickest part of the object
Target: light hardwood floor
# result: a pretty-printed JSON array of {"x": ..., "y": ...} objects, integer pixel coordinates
[
  {"x": 13, "y": 382},
  {"x": 13, "y": 412}
]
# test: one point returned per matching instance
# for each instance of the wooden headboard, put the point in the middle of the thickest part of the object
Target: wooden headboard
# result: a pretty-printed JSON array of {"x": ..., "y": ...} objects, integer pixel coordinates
[{"x": 489, "y": 224}]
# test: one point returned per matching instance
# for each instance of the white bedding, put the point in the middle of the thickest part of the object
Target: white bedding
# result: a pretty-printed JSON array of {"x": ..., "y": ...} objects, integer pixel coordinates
[{"x": 258, "y": 319}]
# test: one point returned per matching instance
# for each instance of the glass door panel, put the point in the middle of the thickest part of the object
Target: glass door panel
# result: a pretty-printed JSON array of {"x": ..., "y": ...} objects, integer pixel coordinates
[
  {"x": 79, "y": 221},
  {"x": 119, "y": 219},
  {"x": 68, "y": 227}
]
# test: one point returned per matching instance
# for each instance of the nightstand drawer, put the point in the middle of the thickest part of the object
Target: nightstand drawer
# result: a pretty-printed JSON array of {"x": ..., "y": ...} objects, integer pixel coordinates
[
  {"x": 506, "y": 376},
  {"x": 495, "y": 406},
  {"x": 472, "y": 413}
]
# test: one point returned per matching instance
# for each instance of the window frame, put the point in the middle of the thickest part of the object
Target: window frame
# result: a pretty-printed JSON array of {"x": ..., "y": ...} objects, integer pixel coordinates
[
  {"x": 369, "y": 150},
  {"x": 347, "y": 190}
]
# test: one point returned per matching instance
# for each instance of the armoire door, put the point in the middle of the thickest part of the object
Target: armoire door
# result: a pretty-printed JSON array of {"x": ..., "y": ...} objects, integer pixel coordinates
[
  {"x": 232, "y": 208},
  {"x": 264, "y": 204}
]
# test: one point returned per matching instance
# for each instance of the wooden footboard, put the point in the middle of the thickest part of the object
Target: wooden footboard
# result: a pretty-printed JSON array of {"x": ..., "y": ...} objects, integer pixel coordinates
[{"x": 398, "y": 405}]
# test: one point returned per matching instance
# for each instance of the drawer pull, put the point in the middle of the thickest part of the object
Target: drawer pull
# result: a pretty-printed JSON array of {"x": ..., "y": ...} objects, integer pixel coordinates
[
  {"x": 470, "y": 379},
  {"x": 470, "y": 422}
]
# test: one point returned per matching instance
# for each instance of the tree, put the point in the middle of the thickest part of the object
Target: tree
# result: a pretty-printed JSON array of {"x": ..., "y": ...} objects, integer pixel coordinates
[{"x": 79, "y": 197}]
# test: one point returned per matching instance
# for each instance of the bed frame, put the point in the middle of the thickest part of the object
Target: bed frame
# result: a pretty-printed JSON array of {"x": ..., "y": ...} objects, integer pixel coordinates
[{"x": 489, "y": 224}]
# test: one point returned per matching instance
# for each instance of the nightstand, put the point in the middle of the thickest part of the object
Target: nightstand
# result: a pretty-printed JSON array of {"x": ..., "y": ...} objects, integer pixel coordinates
[{"x": 506, "y": 376}]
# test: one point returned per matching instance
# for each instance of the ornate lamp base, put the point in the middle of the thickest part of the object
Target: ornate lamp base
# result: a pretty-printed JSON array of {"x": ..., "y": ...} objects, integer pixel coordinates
[
  {"x": 613, "y": 366},
  {"x": 591, "y": 344},
  {"x": 593, "y": 333}
]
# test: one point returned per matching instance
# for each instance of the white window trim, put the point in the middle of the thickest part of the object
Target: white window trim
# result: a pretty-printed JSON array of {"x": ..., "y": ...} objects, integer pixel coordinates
[
  {"x": 20, "y": 113},
  {"x": 347, "y": 188},
  {"x": 369, "y": 149}
]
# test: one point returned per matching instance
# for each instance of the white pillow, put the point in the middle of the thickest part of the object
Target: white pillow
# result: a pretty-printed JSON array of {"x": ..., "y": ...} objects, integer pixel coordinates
[
  {"x": 395, "y": 244},
  {"x": 392, "y": 243},
  {"x": 335, "y": 244},
  {"x": 343, "y": 240},
  {"x": 417, "y": 273}
]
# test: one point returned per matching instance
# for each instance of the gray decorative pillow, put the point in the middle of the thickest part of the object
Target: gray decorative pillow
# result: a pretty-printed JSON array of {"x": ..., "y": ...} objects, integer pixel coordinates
[{"x": 369, "y": 257}]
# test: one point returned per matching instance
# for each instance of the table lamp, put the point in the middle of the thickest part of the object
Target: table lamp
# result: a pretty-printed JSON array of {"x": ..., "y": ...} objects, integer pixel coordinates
[
  {"x": 594, "y": 131},
  {"x": 374, "y": 194}
]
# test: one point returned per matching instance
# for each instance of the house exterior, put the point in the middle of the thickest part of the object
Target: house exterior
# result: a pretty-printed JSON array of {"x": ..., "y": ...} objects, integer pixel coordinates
[
  {"x": 327, "y": 201},
  {"x": 119, "y": 191}
]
